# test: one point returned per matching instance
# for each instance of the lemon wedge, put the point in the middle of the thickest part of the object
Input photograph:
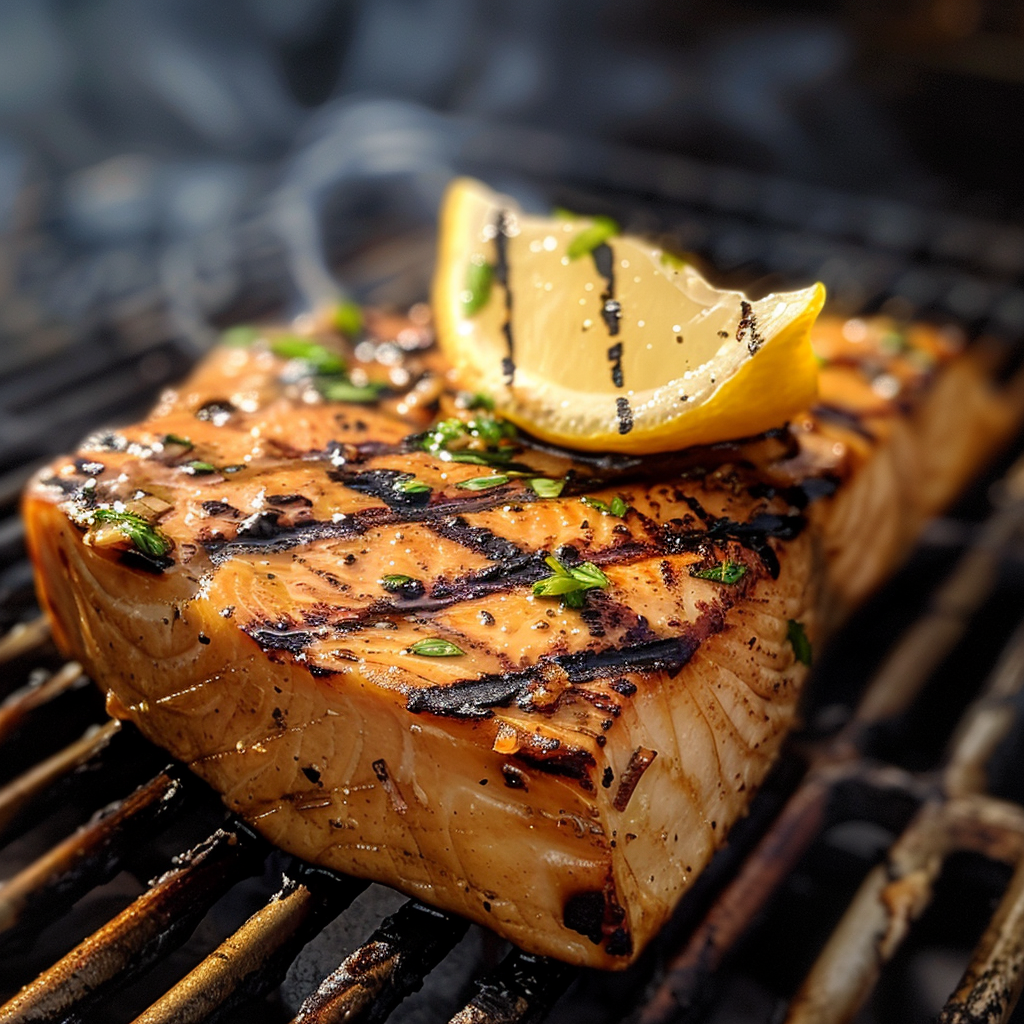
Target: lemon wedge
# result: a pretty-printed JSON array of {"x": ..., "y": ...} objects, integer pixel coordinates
[{"x": 601, "y": 341}]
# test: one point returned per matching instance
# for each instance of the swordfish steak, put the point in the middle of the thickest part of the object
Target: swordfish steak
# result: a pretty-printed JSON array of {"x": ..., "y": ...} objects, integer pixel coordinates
[{"x": 405, "y": 641}]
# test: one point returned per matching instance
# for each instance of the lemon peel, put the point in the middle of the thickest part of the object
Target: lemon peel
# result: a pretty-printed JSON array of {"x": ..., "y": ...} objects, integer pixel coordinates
[{"x": 621, "y": 347}]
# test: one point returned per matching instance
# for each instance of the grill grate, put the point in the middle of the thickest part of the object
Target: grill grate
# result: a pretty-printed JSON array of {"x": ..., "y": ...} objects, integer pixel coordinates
[{"x": 860, "y": 760}]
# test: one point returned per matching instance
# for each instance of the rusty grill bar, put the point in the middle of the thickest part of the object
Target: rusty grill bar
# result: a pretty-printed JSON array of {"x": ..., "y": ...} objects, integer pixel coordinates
[{"x": 79, "y": 809}]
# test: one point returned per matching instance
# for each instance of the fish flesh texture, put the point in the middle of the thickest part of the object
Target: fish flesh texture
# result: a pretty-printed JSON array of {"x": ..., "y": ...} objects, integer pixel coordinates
[{"x": 529, "y": 686}]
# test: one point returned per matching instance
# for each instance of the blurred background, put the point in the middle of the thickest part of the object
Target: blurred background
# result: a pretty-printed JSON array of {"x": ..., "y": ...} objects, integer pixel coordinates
[{"x": 168, "y": 166}]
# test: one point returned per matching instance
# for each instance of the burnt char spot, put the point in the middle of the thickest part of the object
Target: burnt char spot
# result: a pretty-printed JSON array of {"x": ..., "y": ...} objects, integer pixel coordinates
[
  {"x": 154, "y": 564},
  {"x": 623, "y": 686},
  {"x": 478, "y": 539},
  {"x": 620, "y": 943},
  {"x": 221, "y": 508},
  {"x": 89, "y": 467},
  {"x": 676, "y": 536},
  {"x": 514, "y": 778},
  {"x": 216, "y": 412},
  {"x": 280, "y": 636},
  {"x": 584, "y": 913},
  {"x": 470, "y": 699},
  {"x": 407, "y": 590},
  {"x": 607, "y": 778},
  {"x": 572, "y": 763},
  {"x": 640, "y": 760},
  {"x": 474, "y": 698},
  {"x": 260, "y": 526},
  {"x": 381, "y": 484},
  {"x": 615, "y": 358},
  {"x": 312, "y": 774},
  {"x": 843, "y": 418},
  {"x": 289, "y": 499},
  {"x": 625, "y": 414},
  {"x": 319, "y": 672}
]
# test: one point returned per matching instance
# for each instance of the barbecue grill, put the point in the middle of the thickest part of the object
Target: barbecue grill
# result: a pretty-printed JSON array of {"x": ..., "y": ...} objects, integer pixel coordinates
[{"x": 880, "y": 871}]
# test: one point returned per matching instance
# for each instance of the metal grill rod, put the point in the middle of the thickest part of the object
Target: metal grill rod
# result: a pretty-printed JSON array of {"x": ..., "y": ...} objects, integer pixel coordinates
[{"x": 154, "y": 924}]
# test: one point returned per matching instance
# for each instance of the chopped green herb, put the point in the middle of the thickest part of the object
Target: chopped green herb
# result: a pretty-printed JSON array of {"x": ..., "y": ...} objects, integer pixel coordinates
[
  {"x": 474, "y": 400},
  {"x": 341, "y": 389},
  {"x": 616, "y": 507},
  {"x": 479, "y": 278},
  {"x": 319, "y": 358},
  {"x": 146, "y": 537},
  {"x": 435, "y": 647},
  {"x": 591, "y": 237},
  {"x": 480, "y": 441},
  {"x": 348, "y": 319},
  {"x": 673, "y": 260},
  {"x": 571, "y": 585},
  {"x": 720, "y": 572},
  {"x": 395, "y": 581},
  {"x": 410, "y": 485},
  {"x": 893, "y": 343},
  {"x": 545, "y": 488},
  {"x": 797, "y": 636},
  {"x": 178, "y": 439},
  {"x": 482, "y": 483},
  {"x": 199, "y": 468},
  {"x": 239, "y": 336}
]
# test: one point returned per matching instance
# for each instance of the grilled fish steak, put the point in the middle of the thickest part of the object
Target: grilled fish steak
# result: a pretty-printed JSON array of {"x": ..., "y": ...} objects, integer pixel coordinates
[{"x": 343, "y": 617}]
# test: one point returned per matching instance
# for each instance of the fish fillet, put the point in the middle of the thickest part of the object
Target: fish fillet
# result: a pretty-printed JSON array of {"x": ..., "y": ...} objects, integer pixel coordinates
[{"x": 347, "y": 644}]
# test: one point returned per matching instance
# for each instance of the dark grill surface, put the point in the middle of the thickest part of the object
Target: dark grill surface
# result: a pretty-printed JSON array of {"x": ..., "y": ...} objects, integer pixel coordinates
[{"x": 880, "y": 873}]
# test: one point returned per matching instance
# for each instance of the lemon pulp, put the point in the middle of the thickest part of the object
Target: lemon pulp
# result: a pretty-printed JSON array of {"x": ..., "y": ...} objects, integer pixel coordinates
[{"x": 601, "y": 341}]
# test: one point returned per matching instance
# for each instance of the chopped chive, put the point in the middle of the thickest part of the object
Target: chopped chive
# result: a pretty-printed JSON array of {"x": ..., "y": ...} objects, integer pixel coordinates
[
  {"x": 482, "y": 483},
  {"x": 395, "y": 581},
  {"x": 474, "y": 400},
  {"x": 199, "y": 468},
  {"x": 720, "y": 572},
  {"x": 239, "y": 336},
  {"x": 146, "y": 537},
  {"x": 348, "y": 319},
  {"x": 479, "y": 278},
  {"x": 178, "y": 439},
  {"x": 545, "y": 488},
  {"x": 673, "y": 260},
  {"x": 797, "y": 636},
  {"x": 435, "y": 647},
  {"x": 321, "y": 359},
  {"x": 410, "y": 485},
  {"x": 592, "y": 236},
  {"x": 343, "y": 390},
  {"x": 616, "y": 507}
]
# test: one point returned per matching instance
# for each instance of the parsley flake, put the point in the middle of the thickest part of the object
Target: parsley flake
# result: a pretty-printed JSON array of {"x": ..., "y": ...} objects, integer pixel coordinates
[
  {"x": 483, "y": 483},
  {"x": 797, "y": 637},
  {"x": 341, "y": 389},
  {"x": 479, "y": 278},
  {"x": 199, "y": 468},
  {"x": 545, "y": 488},
  {"x": 319, "y": 358},
  {"x": 410, "y": 485},
  {"x": 571, "y": 585},
  {"x": 720, "y": 572},
  {"x": 616, "y": 507},
  {"x": 597, "y": 233},
  {"x": 143, "y": 534},
  {"x": 436, "y": 647},
  {"x": 348, "y": 319}
]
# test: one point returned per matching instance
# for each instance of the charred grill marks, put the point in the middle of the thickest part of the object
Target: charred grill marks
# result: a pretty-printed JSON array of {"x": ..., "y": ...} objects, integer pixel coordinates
[{"x": 475, "y": 698}]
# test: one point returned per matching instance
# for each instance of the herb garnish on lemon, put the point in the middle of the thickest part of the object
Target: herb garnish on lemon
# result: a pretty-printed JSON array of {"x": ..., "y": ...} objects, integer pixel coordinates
[{"x": 602, "y": 341}]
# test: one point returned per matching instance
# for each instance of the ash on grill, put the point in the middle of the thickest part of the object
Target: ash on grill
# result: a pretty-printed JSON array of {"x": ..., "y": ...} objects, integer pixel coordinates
[{"x": 882, "y": 861}]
